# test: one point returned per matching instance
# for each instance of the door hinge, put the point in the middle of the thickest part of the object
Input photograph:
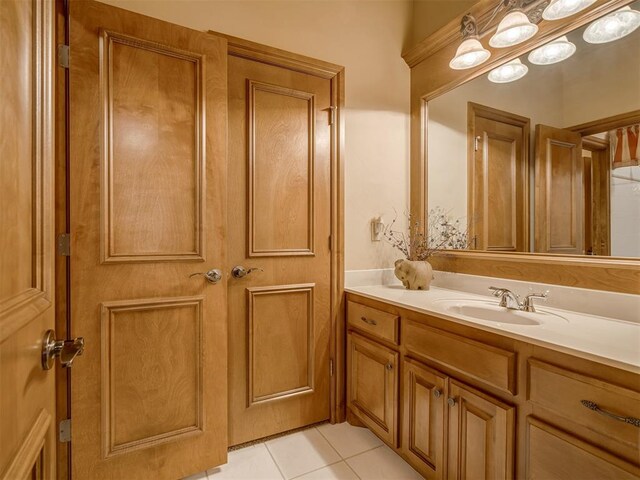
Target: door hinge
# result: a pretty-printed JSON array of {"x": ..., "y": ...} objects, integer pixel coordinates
[
  {"x": 63, "y": 56},
  {"x": 64, "y": 430},
  {"x": 476, "y": 142},
  {"x": 331, "y": 367},
  {"x": 63, "y": 244},
  {"x": 332, "y": 115}
]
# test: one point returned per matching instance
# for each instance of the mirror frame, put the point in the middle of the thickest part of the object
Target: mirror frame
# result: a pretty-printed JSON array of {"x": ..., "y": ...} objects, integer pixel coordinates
[{"x": 431, "y": 77}]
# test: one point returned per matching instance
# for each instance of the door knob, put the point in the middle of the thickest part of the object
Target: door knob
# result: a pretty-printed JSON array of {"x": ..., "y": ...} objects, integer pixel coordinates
[
  {"x": 212, "y": 276},
  {"x": 239, "y": 271},
  {"x": 65, "y": 350}
]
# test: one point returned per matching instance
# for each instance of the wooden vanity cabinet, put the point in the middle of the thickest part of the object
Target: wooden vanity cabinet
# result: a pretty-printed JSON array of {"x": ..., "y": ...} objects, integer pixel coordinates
[{"x": 458, "y": 402}]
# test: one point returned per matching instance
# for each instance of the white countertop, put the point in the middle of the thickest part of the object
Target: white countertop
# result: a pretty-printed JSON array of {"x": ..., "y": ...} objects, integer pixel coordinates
[{"x": 605, "y": 340}]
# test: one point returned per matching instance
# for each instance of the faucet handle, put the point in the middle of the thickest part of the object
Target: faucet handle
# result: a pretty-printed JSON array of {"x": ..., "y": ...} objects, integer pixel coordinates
[
  {"x": 497, "y": 291},
  {"x": 527, "y": 303}
]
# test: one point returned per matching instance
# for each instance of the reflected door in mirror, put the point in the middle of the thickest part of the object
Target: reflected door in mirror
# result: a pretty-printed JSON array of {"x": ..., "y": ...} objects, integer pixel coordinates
[{"x": 498, "y": 180}]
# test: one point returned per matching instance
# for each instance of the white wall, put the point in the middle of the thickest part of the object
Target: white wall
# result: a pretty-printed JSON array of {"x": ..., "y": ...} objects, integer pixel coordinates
[{"x": 367, "y": 38}]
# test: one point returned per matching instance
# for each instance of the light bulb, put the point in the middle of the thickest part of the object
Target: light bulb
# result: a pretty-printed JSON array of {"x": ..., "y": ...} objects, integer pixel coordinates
[
  {"x": 513, "y": 29},
  {"x": 509, "y": 72},
  {"x": 613, "y": 26},
  {"x": 558, "y": 9},
  {"x": 470, "y": 54},
  {"x": 556, "y": 51}
]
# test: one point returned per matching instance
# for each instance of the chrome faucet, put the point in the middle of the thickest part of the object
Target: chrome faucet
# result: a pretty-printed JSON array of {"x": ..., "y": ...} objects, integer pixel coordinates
[{"x": 510, "y": 300}]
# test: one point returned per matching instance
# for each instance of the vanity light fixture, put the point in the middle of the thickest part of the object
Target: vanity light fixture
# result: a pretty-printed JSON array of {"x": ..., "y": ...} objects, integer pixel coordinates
[
  {"x": 513, "y": 29},
  {"x": 553, "y": 52},
  {"x": 558, "y": 9},
  {"x": 516, "y": 27},
  {"x": 470, "y": 53},
  {"x": 613, "y": 26},
  {"x": 509, "y": 72}
]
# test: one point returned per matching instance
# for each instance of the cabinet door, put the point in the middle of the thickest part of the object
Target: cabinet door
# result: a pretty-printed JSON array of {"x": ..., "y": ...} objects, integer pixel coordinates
[
  {"x": 481, "y": 433},
  {"x": 555, "y": 455},
  {"x": 423, "y": 431},
  {"x": 373, "y": 385}
]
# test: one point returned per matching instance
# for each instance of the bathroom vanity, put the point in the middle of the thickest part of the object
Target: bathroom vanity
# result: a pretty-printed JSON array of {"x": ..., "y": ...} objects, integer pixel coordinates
[{"x": 549, "y": 395}]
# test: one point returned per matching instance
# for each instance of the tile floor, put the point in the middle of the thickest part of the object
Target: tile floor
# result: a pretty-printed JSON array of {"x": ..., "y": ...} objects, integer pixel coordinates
[{"x": 327, "y": 452}]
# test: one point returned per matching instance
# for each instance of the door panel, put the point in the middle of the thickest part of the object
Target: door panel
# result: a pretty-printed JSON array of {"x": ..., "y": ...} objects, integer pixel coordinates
[
  {"x": 281, "y": 167},
  {"x": 147, "y": 209},
  {"x": 559, "y": 198},
  {"x": 498, "y": 180},
  {"x": 373, "y": 392},
  {"x": 27, "y": 399},
  {"x": 280, "y": 199},
  {"x": 423, "y": 430},
  {"x": 481, "y": 435}
]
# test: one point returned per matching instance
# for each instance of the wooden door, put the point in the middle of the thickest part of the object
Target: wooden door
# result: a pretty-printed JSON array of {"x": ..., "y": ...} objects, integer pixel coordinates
[
  {"x": 27, "y": 392},
  {"x": 423, "y": 423},
  {"x": 373, "y": 386},
  {"x": 481, "y": 435},
  {"x": 498, "y": 180},
  {"x": 147, "y": 208},
  {"x": 597, "y": 203},
  {"x": 559, "y": 197},
  {"x": 280, "y": 222}
]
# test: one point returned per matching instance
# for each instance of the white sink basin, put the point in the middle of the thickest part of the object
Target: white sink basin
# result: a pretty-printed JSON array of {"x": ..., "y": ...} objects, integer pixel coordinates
[{"x": 491, "y": 312}]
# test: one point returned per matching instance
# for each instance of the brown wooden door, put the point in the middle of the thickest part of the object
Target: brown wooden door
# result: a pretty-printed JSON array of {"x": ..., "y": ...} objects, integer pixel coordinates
[
  {"x": 373, "y": 386},
  {"x": 498, "y": 180},
  {"x": 147, "y": 208},
  {"x": 423, "y": 424},
  {"x": 279, "y": 222},
  {"x": 27, "y": 392},
  {"x": 481, "y": 435},
  {"x": 559, "y": 197}
]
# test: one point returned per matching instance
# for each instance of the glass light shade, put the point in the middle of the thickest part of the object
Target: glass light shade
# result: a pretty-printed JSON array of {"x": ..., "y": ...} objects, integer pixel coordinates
[
  {"x": 613, "y": 26},
  {"x": 513, "y": 29},
  {"x": 553, "y": 52},
  {"x": 470, "y": 54},
  {"x": 509, "y": 72},
  {"x": 558, "y": 9}
]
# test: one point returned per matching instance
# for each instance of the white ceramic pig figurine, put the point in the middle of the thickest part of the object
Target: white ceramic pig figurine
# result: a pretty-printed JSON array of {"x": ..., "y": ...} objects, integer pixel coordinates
[{"x": 414, "y": 275}]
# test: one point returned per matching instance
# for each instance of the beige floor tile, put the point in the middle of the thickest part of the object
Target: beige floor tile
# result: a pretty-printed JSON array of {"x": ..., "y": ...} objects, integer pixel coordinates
[
  {"x": 337, "y": 471},
  {"x": 382, "y": 463},
  {"x": 349, "y": 440},
  {"x": 302, "y": 452},
  {"x": 249, "y": 463}
]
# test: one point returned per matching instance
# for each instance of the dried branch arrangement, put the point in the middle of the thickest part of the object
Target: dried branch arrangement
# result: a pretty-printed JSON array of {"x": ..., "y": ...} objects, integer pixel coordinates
[{"x": 418, "y": 243}]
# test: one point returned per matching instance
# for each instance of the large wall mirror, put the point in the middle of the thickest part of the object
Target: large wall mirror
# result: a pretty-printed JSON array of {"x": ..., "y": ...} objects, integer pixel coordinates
[{"x": 549, "y": 162}]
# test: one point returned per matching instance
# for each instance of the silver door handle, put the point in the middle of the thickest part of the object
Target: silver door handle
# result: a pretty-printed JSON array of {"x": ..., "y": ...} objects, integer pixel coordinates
[
  {"x": 239, "y": 271},
  {"x": 213, "y": 276},
  {"x": 65, "y": 350}
]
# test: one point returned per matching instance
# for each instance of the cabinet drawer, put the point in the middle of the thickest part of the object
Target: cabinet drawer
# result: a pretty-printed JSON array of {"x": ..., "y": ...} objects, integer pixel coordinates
[
  {"x": 376, "y": 322},
  {"x": 562, "y": 391},
  {"x": 486, "y": 363},
  {"x": 555, "y": 455}
]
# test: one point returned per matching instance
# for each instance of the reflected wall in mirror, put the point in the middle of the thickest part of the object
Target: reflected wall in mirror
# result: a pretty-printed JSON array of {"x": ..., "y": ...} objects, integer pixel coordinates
[{"x": 547, "y": 163}]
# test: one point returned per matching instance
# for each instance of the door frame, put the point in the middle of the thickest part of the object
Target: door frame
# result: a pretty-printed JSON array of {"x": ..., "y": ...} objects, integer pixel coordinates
[
  {"x": 257, "y": 52},
  {"x": 245, "y": 49}
]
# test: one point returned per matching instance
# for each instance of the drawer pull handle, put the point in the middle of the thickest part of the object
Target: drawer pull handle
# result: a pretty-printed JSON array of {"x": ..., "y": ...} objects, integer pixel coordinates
[
  {"x": 368, "y": 321},
  {"x": 451, "y": 401},
  {"x": 594, "y": 406},
  {"x": 437, "y": 393}
]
